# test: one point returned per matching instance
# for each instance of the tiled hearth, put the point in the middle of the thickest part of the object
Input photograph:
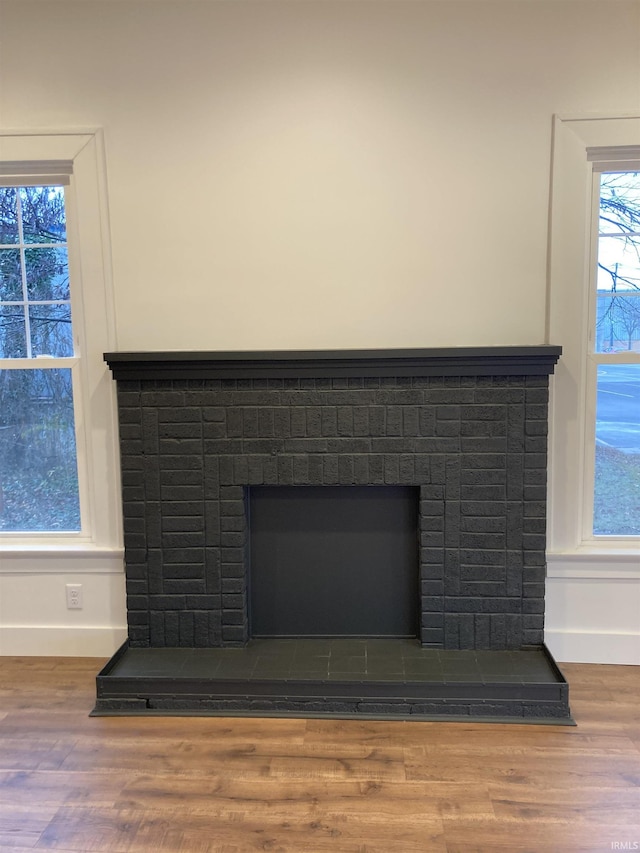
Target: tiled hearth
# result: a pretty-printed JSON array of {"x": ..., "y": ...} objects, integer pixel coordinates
[{"x": 465, "y": 427}]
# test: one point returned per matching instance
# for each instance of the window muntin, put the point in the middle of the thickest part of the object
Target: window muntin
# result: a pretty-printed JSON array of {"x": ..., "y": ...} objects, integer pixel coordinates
[{"x": 39, "y": 486}]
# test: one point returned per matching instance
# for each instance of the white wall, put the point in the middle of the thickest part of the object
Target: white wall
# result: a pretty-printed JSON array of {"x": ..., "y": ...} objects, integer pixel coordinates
[{"x": 320, "y": 174}]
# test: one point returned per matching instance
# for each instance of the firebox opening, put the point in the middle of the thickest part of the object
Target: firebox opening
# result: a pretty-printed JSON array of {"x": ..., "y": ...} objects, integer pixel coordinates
[{"x": 333, "y": 561}]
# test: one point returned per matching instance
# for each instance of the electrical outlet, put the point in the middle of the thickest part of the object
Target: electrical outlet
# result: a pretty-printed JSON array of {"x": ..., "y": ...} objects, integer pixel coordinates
[{"x": 74, "y": 596}]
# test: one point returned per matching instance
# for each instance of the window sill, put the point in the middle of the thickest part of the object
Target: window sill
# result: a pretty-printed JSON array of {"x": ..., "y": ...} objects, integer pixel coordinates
[
  {"x": 595, "y": 562},
  {"x": 60, "y": 559}
]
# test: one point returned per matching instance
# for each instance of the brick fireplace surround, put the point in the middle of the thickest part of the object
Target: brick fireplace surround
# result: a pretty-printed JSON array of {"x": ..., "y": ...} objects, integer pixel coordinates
[{"x": 467, "y": 426}]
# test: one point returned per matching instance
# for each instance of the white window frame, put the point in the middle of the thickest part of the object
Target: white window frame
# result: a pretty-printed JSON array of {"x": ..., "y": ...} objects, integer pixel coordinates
[
  {"x": 581, "y": 146},
  {"x": 44, "y": 156}
]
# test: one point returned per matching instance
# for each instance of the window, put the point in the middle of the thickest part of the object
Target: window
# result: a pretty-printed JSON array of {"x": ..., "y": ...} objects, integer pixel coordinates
[
  {"x": 60, "y": 506},
  {"x": 594, "y": 313},
  {"x": 38, "y": 463},
  {"x": 613, "y": 353}
]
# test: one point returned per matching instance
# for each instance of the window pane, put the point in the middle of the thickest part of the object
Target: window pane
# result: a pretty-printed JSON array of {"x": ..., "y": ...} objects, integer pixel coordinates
[
  {"x": 13, "y": 342},
  {"x": 47, "y": 274},
  {"x": 618, "y": 322},
  {"x": 8, "y": 215},
  {"x": 618, "y": 279},
  {"x": 51, "y": 330},
  {"x": 43, "y": 215},
  {"x": 38, "y": 471},
  {"x": 619, "y": 202},
  {"x": 10, "y": 276},
  {"x": 617, "y": 481}
]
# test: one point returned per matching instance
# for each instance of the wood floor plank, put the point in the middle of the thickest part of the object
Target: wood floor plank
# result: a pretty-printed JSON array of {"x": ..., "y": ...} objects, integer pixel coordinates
[
  {"x": 169, "y": 794},
  {"x": 89, "y": 830},
  {"x": 23, "y": 823},
  {"x": 582, "y": 805},
  {"x": 535, "y": 836},
  {"x": 76, "y": 784}
]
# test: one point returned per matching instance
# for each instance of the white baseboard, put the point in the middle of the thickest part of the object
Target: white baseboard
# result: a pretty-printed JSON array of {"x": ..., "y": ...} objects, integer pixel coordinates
[
  {"x": 61, "y": 641},
  {"x": 66, "y": 641},
  {"x": 593, "y": 647}
]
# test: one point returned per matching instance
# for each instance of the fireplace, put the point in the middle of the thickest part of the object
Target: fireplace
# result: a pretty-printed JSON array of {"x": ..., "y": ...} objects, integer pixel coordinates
[{"x": 463, "y": 429}]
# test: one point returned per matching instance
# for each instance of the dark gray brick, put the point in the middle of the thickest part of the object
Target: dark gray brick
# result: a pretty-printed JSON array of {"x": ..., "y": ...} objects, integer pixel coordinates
[
  {"x": 483, "y": 524},
  {"x": 179, "y": 446},
  {"x": 209, "y": 413},
  {"x": 308, "y": 445},
  {"x": 498, "y": 631},
  {"x": 170, "y": 399},
  {"x": 482, "y": 588},
  {"x": 316, "y": 470},
  {"x": 393, "y": 421},
  {"x": 482, "y": 557},
  {"x": 534, "y": 558},
  {"x": 250, "y": 423},
  {"x": 346, "y": 473},
  {"x": 330, "y": 464},
  {"x": 483, "y": 493},
  {"x": 391, "y": 468},
  {"x": 180, "y": 477},
  {"x": 300, "y": 470},
  {"x": 377, "y": 421},
  {"x": 185, "y": 462},
  {"x": 181, "y": 493},
  {"x": 451, "y": 631},
  {"x": 482, "y": 630},
  {"x": 426, "y": 420},
  {"x": 447, "y": 429},
  {"x": 314, "y": 422},
  {"x": 182, "y": 540},
  {"x": 232, "y": 570},
  {"x": 298, "y": 422},
  {"x": 345, "y": 424},
  {"x": 361, "y": 469},
  {"x": 167, "y": 602},
  {"x": 482, "y": 541},
  {"x": 282, "y": 423},
  {"x": 483, "y": 445},
  {"x": 431, "y": 638},
  {"x": 532, "y": 589},
  {"x": 233, "y": 617},
  {"x": 171, "y": 629},
  {"x": 483, "y": 508},
  {"x": 232, "y": 508},
  {"x": 480, "y": 429},
  {"x": 189, "y": 586},
  {"x": 360, "y": 420},
  {"x": 482, "y": 573},
  {"x": 175, "y": 430},
  {"x": 432, "y": 620},
  {"x": 462, "y": 604},
  {"x": 431, "y": 539},
  {"x": 431, "y": 571}
]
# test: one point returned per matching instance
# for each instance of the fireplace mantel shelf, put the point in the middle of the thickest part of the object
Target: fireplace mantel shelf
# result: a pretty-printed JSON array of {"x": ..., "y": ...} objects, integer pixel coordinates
[{"x": 442, "y": 361}]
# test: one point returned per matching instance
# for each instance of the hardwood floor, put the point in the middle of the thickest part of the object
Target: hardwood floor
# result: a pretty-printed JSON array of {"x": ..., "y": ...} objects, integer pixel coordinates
[{"x": 69, "y": 782}]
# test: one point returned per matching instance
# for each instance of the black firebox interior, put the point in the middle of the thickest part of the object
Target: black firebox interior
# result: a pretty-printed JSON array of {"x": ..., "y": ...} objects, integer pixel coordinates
[{"x": 333, "y": 561}]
